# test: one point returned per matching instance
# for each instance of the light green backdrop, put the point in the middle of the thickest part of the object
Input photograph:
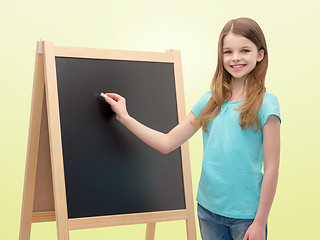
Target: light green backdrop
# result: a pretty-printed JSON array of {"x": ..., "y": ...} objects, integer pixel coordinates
[{"x": 292, "y": 32}]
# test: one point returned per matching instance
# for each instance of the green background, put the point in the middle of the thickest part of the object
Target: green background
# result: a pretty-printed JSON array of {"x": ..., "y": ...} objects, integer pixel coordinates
[{"x": 292, "y": 32}]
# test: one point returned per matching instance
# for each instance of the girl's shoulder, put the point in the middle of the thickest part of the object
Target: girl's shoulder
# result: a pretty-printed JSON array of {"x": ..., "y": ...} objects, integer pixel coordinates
[
  {"x": 269, "y": 106},
  {"x": 205, "y": 97},
  {"x": 269, "y": 98},
  {"x": 267, "y": 94},
  {"x": 207, "y": 94},
  {"x": 198, "y": 107}
]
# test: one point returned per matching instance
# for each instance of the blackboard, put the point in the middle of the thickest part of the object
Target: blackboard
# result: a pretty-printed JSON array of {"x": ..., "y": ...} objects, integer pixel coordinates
[
  {"x": 84, "y": 169},
  {"x": 108, "y": 170}
]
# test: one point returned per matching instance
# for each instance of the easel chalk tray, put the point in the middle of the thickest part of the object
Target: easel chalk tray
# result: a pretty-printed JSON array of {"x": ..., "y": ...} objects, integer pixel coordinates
[{"x": 86, "y": 170}]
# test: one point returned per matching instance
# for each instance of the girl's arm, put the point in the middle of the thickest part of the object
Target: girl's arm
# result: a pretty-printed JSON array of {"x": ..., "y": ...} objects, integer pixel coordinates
[
  {"x": 271, "y": 157},
  {"x": 164, "y": 143}
]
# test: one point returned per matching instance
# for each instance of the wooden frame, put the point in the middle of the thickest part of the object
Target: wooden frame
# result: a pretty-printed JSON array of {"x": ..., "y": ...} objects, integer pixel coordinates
[{"x": 44, "y": 195}]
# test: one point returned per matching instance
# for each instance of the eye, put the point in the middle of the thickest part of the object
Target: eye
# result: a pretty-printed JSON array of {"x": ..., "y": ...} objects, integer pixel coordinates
[
  {"x": 227, "y": 52},
  {"x": 245, "y": 50}
]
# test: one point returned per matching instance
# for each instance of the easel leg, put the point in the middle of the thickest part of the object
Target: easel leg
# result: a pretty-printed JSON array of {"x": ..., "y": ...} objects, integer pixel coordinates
[
  {"x": 191, "y": 229},
  {"x": 32, "y": 150},
  {"x": 56, "y": 155},
  {"x": 151, "y": 227}
]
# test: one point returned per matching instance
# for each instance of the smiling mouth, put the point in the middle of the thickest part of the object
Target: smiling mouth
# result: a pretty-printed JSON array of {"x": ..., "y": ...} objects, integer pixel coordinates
[{"x": 238, "y": 66}]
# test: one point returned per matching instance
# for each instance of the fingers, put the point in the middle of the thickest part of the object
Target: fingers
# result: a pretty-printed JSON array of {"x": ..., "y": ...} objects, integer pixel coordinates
[
  {"x": 114, "y": 96},
  {"x": 109, "y": 100},
  {"x": 246, "y": 236}
]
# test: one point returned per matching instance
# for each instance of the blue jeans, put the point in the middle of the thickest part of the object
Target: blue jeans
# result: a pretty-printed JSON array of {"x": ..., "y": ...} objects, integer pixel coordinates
[{"x": 217, "y": 227}]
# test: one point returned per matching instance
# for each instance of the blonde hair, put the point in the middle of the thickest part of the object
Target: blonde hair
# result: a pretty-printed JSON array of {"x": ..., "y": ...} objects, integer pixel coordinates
[{"x": 220, "y": 86}]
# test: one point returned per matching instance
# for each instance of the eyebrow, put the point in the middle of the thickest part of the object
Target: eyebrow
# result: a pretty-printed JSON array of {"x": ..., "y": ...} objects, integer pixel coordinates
[{"x": 241, "y": 47}]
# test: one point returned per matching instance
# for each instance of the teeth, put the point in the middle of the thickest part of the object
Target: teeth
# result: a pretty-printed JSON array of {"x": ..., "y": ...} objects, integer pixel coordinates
[{"x": 237, "y": 66}]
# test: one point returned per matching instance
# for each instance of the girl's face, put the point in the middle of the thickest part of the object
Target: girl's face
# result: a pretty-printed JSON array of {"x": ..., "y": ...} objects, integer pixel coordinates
[{"x": 240, "y": 55}]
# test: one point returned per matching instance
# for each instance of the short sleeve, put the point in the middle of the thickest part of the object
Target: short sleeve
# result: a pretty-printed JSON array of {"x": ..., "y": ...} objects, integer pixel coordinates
[
  {"x": 198, "y": 107},
  {"x": 270, "y": 106}
]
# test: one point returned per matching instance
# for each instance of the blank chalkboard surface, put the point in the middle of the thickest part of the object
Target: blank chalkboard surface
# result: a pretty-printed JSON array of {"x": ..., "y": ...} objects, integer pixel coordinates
[{"x": 108, "y": 170}]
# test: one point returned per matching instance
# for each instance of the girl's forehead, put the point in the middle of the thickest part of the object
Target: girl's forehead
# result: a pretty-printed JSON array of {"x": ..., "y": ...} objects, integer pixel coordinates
[{"x": 232, "y": 40}]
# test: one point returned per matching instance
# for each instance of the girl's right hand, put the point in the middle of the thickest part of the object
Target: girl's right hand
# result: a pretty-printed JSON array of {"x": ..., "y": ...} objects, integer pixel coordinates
[{"x": 118, "y": 105}]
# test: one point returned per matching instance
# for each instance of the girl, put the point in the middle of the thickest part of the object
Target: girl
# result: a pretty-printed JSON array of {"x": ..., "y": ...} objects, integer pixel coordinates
[{"x": 241, "y": 132}]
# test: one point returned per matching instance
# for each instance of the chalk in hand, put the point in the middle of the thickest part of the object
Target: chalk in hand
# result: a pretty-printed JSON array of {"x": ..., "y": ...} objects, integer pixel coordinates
[{"x": 105, "y": 96}]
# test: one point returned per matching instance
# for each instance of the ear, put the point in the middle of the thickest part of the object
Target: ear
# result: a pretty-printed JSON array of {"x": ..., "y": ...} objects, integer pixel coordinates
[{"x": 260, "y": 55}]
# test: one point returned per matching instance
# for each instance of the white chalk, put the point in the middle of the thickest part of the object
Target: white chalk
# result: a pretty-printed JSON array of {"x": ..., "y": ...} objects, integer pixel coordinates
[{"x": 103, "y": 95}]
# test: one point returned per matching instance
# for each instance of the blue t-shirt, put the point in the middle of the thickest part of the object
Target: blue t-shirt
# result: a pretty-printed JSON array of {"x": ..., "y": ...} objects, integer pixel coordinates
[{"x": 231, "y": 174}]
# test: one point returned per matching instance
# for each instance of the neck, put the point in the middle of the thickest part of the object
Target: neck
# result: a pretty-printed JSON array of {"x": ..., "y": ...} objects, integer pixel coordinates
[{"x": 238, "y": 88}]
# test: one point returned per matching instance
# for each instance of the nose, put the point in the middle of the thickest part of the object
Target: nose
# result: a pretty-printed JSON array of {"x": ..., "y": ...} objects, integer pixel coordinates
[{"x": 236, "y": 57}]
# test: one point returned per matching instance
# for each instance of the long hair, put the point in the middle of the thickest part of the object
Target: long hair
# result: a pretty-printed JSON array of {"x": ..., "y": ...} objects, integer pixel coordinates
[{"x": 255, "y": 82}]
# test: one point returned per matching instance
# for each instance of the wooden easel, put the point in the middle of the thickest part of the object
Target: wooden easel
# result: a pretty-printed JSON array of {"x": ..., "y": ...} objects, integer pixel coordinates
[{"x": 44, "y": 195}]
